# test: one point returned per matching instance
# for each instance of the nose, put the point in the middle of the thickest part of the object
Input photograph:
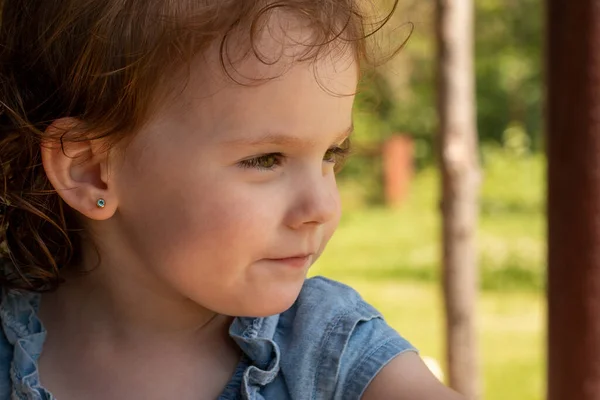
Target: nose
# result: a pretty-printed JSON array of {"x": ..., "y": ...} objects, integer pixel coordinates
[{"x": 316, "y": 201}]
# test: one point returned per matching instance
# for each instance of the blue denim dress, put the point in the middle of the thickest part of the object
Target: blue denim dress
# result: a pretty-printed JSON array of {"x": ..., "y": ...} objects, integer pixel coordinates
[{"x": 329, "y": 345}]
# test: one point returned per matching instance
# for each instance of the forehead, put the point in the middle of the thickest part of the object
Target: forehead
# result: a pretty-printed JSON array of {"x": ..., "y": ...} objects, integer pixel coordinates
[{"x": 272, "y": 88}]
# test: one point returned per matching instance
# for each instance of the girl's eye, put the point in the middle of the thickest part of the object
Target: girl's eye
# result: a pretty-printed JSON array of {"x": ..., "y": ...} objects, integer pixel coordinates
[
  {"x": 265, "y": 162},
  {"x": 334, "y": 155},
  {"x": 338, "y": 154},
  {"x": 268, "y": 162}
]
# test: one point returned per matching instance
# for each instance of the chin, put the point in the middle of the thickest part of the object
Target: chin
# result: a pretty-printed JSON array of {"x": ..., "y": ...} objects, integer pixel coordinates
[{"x": 271, "y": 301}]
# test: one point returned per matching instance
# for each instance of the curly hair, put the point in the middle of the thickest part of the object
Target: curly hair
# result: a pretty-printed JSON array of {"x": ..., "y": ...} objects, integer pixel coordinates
[{"x": 102, "y": 62}]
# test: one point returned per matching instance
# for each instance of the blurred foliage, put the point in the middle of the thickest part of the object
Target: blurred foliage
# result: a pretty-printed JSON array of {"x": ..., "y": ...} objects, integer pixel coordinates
[
  {"x": 379, "y": 243},
  {"x": 509, "y": 45},
  {"x": 399, "y": 96}
]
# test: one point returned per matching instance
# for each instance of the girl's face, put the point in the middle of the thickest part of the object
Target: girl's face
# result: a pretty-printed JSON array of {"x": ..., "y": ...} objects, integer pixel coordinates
[{"x": 228, "y": 195}]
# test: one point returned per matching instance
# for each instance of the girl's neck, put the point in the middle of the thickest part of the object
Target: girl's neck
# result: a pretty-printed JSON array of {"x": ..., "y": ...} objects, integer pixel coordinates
[
  {"x": 122, "y": 343},
  {"x": 128, "y": 307}
]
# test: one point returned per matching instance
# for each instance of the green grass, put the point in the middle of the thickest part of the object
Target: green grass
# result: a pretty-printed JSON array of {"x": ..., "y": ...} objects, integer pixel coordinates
[
  {"x": 379, "y": 243},
  {"x": 392, "y": 256}
]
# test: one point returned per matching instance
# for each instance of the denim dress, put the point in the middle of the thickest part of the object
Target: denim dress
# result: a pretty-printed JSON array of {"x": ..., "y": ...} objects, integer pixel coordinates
[{"x": 329, "y": 345}]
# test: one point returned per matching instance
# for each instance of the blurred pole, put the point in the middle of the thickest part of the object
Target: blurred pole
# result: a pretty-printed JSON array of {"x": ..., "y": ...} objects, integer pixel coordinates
[
  {"x": 460, "y": 188},
  {"x": 573, "y": 120}
]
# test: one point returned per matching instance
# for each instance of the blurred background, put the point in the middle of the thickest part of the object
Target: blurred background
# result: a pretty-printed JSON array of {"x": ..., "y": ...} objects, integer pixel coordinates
[{"x": 389, "y": 243}]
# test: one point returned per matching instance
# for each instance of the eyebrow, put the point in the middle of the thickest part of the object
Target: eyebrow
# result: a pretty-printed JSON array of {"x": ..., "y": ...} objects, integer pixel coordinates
[{"x": 280, "y": 139}]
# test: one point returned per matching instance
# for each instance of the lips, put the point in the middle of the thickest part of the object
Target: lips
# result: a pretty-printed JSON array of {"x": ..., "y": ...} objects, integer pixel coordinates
[{"x": 297, "y": 261}]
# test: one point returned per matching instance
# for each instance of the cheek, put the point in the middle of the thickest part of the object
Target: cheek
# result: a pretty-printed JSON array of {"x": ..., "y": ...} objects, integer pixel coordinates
[
  {"x": 331, "y": 226},
  {"x": 197, "y": 217}
]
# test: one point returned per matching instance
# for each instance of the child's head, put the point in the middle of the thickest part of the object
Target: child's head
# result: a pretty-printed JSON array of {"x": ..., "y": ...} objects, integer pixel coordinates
[{"x": 209, "y": 128}]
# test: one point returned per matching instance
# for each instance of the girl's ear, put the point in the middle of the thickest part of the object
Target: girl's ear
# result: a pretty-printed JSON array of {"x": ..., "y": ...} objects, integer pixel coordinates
[{"x": 78, "y": 169}]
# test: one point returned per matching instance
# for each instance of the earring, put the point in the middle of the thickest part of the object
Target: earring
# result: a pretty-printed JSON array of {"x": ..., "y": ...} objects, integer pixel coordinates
[{"x": 101, "y": 203}]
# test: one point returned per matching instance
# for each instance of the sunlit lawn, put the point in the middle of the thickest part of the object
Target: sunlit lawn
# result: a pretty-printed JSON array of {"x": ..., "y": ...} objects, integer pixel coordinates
[{"x": 392, "y": 258}]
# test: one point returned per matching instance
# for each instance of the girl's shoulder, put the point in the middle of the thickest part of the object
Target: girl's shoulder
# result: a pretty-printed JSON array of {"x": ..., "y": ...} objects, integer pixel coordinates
[{"x": 329, "y": 345}]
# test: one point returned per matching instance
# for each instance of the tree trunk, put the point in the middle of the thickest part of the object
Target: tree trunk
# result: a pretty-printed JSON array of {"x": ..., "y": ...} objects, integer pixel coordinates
[
  {"x": 460, "y": 188},
  {"x": 573, "y": 117}
]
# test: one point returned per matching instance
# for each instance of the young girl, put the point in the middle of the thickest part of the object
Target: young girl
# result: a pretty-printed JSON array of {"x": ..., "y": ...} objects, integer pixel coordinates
[{"x": 167, "y": 181}]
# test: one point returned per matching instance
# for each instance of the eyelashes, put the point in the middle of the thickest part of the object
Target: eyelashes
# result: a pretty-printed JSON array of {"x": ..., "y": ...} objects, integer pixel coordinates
[
  {"x": 265, "y": 162},
  {"x": 336, "y": 155}
]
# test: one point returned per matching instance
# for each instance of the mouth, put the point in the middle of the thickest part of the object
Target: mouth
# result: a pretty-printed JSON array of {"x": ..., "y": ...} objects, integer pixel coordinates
[{"x": 297, "y": 261}]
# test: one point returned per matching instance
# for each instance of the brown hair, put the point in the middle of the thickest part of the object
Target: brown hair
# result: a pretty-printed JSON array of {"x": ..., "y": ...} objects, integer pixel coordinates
[{"x": 101, "y": 62}]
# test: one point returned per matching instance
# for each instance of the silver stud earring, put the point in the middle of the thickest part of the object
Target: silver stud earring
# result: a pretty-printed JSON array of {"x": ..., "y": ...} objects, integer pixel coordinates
[{"x": 101, "y": 203}]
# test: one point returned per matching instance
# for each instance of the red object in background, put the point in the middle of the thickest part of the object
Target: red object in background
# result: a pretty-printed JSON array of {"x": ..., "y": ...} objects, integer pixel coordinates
[{"x": 398, "y": 153}]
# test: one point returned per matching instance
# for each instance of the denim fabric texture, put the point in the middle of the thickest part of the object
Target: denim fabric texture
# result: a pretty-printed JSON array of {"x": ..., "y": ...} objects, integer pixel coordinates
[{"x": 329, "y": 345}]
